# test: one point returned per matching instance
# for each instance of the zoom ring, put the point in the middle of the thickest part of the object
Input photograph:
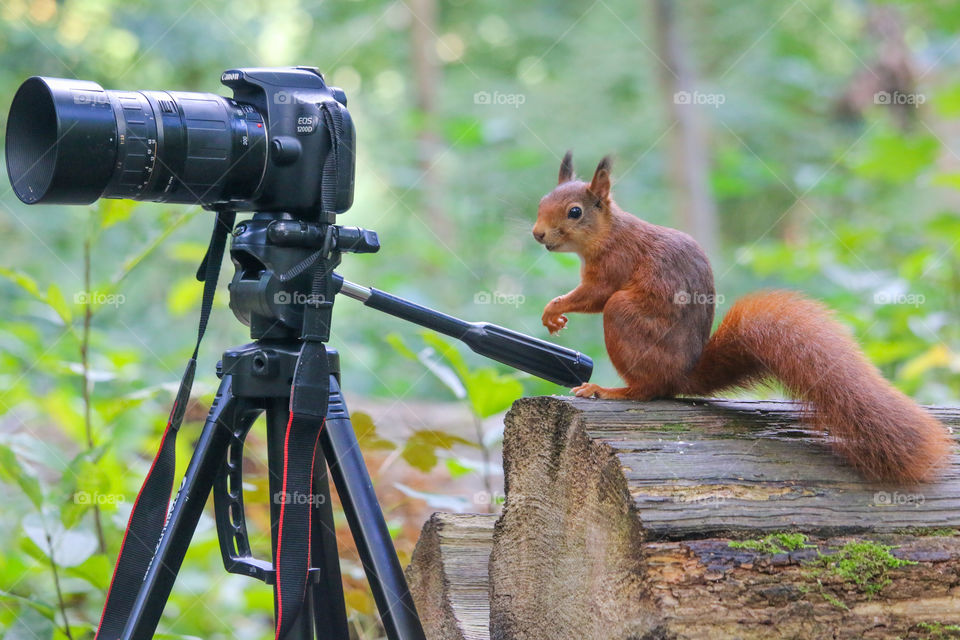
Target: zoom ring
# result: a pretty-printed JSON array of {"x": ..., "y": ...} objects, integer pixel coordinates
[{"x": 136, "y": 145}]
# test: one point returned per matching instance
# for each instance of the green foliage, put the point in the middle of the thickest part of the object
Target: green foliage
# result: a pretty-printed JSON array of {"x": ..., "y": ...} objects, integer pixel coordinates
[
  {"x": 774, "y": 543},
  {"x": 420, "y": 448},
  {"x": 485, "y": 390},
  {"x": 928, "y": 532},
  {"x": 863, "y": 563},
  {"x": 939, "y": 630}
]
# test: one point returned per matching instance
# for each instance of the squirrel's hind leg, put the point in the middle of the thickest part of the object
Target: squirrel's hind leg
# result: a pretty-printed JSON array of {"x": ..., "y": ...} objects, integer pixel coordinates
[{"x": 590, "y": 390}]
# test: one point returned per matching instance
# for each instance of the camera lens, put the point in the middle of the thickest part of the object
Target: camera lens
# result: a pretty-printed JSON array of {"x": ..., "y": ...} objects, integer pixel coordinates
[
  {"x": 60, "y": 148},
  {"x": 71, "y": 142}
]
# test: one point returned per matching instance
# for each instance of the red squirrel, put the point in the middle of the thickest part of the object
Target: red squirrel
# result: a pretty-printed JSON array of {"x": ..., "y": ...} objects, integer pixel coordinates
[{"x": 655, "y": 289}]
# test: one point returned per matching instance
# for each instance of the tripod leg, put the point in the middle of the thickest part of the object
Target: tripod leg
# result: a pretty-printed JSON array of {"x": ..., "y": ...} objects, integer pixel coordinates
[
  {"x": 184, "y": 514},
  {"x": 326, "y": 594},
  {"x": 349, "y": 471}
]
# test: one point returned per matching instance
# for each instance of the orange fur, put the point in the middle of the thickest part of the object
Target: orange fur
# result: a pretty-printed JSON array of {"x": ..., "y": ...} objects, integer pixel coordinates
[{"x": 655, "y": 289}]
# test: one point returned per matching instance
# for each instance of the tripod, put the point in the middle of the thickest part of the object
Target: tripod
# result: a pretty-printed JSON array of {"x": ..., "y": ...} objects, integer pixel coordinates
[{"x": 283, "y": 288}]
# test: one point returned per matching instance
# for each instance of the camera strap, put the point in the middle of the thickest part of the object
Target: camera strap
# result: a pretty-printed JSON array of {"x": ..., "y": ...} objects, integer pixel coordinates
[
  {"x": 309, "y": 399},
  {"x": 149, "y": 515}
]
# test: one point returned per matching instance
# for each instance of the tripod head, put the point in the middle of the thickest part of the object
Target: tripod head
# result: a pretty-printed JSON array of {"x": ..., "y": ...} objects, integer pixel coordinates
[
  {"x": 278, "y": 260},
  {"x": 284, "y": 287}
]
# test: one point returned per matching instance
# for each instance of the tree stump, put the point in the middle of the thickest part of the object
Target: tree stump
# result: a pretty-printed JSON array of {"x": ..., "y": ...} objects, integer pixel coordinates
[
  {"x": 448, "y": 576},
  {"x": 708, "y": 519}
]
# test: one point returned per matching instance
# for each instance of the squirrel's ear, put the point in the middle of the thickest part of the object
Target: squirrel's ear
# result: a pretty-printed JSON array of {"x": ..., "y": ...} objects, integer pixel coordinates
[
  {"x": 600, "y": 185},
  {"x": 566, "y": 168}
]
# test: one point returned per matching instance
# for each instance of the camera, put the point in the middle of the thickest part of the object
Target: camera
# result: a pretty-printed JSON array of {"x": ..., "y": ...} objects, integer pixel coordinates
[{"x": 283, "y": 143}]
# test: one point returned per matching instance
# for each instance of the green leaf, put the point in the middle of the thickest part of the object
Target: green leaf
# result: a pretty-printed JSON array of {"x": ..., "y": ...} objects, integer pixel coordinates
[
  {"x": 951, "y": 179},
  {"x": 448, "y": 351},
  {"x": 945, "y": 224},
  {"x": 419, "y": 457},
  {"x": 366, "y": 433},
  {"x": 463, "y": 132},
  {"x": 936, "y": 356},
  {"x": 111, "y": 408},
  {"x": 456, "y": 469},
  {"x": 67, "y": 547},
  {"x": 490, "y": 393},
  {"x": 85, "y": 482},
  {"x": 442, "y": 372},
  {"x": 946, "y": 102},
  {"x": 59, "y": 304},
  {"x": 30, "y": 625},
  {"x": 113, "y": 211},
  {"x": 64, "y": 407},
  {"x": 190, "y": 252},
  {"x": 96, "y": 570},
  {"x": 23, "y": 281},
  {"x": 131, "y": 262},
  {"x": 53, "y": 298},
  {"x": 896, "y": 158},
  {"x": 46, "y": 610},
  {"x": 420, "y": 450},
  {"x": 523, "y": 158},
  {"x": 184, "y": 296},
  {"x": 13, "y": 472},
  {"x": 395, "y": 340}
]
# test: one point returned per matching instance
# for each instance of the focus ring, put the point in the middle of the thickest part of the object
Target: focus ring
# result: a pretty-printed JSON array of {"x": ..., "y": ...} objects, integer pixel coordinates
[{"x": 136, "y": 145}]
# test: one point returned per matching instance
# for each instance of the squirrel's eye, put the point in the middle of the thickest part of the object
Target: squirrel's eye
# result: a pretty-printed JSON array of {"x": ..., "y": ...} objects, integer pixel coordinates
[{"x": 574, "y": 213}]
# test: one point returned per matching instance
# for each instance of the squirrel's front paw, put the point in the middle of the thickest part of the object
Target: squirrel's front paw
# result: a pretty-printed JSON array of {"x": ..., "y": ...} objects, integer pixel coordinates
[
  {"x": 553, "y": 321},
  {"x": 587, "y": 390}
]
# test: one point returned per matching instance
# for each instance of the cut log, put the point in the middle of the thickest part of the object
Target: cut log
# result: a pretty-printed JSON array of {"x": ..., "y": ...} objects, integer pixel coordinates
[
  {"x": 449, "y": 579},
  {"x": 619, "y": 517}
]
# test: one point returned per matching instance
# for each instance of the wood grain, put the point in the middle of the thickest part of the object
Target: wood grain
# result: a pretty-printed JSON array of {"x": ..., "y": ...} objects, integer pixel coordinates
[{"x": 448, "y": 576}]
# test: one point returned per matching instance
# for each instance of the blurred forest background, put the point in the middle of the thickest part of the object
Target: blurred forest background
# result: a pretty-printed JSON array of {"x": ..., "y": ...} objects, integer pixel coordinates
[{"x": 810, "y": 144}]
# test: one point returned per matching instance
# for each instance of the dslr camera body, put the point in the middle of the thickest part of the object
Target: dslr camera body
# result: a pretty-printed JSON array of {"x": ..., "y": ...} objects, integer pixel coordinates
[{"x": 283, "y": 143}]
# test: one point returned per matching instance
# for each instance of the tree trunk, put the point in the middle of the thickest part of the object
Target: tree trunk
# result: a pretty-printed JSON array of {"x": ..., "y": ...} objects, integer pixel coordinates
[
  {"x": 427, "y": 75},
  {"x": 689, "y": 147}
]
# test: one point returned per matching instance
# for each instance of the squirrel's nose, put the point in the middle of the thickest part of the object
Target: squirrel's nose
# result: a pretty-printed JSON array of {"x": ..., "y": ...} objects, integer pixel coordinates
[{"x": 538, "y": 235}]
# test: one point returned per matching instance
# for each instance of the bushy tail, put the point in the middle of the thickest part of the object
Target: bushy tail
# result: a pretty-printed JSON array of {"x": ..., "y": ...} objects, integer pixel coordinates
[{"x": 783, "y": 335}]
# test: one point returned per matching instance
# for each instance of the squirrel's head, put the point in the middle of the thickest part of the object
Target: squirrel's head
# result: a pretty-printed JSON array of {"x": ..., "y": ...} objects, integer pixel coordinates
[{"x": 575, "y": 214}]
